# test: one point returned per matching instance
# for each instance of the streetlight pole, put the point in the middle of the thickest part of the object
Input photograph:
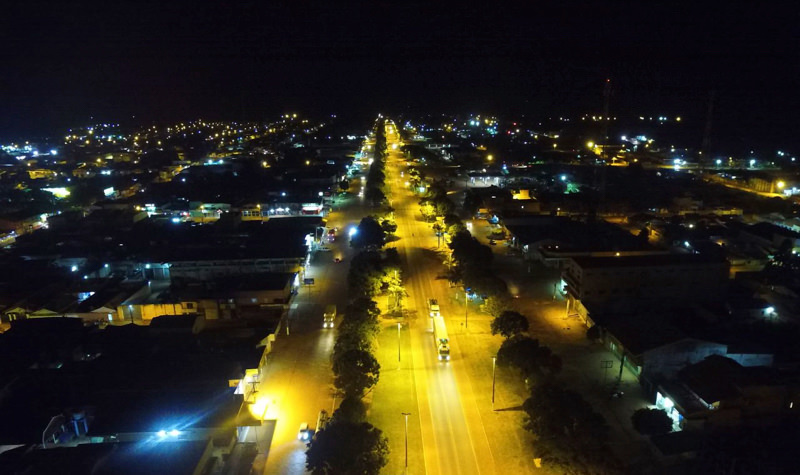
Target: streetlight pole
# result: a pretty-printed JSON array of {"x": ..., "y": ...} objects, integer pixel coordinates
[
  {"x": 398, "y": 344},
  {"x": 406, "y": 414},
  {"x": 494, "y": 365},
  {"x": 466, "y": 309}
]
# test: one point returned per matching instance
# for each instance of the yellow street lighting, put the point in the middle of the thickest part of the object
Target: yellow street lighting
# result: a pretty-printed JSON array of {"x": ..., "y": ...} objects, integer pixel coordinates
[
  {"x": 590, "y": 144},
  {"x": 489, "y": 157},
  {"x": 781, "y": 184}
]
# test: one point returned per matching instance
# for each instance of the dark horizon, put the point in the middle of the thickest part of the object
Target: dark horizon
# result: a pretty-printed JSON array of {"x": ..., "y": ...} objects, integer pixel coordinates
[{"x": 247, "y": 61}]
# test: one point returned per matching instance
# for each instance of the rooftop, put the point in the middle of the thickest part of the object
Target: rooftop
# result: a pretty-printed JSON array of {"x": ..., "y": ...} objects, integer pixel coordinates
[{"x": 650, "y": 260}]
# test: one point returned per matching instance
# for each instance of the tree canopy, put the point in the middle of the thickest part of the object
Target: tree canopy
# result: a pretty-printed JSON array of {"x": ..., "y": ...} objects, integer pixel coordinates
[
  {"x": 369, "y": 234},
  {"x": 509, "y": 323},
  {"x": 569, "y": 433},
  {"x": 526, "y": 354},
  {"x": 355, "y": 371},
  {"x": 348, "y": 448}
]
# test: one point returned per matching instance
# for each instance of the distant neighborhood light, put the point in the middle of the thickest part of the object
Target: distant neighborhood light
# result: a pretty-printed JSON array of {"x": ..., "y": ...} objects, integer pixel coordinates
[
  {"x": 74, "y": 268},
  {"x": 353, "y": 231}
]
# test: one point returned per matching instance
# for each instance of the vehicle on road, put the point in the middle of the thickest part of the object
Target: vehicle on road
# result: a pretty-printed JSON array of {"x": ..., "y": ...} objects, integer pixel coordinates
[
  {"x": 304, "y": 433},
  {"x": 433, "y": 308},
  {"x": 329, "y": 316},
  {"x": 441, "y": 339},
  {"x": 322, "y": 421}
]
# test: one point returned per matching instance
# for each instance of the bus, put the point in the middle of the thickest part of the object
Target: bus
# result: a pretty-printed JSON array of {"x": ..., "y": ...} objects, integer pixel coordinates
[
  {"x": 329, "y": 316},
  {"x": 440, "y": 338}
]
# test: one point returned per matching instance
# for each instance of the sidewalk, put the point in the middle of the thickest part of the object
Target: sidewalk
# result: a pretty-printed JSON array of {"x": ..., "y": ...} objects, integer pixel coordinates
[{"x": 583, "y": 368}]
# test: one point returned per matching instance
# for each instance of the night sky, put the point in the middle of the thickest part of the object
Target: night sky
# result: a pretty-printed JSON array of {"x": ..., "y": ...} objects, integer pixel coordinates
[{"x": 78, "y": 62}]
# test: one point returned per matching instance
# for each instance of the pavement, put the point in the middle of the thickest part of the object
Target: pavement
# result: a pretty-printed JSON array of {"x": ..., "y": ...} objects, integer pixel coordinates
[
  {"x": 297, "y": 381},
  {"x": 454, "y": 428},
  {"x": 583, "y": 361},
  {"x": 452, "y": 425}
]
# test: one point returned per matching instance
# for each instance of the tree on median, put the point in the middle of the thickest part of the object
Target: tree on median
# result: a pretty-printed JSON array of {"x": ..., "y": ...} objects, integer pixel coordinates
[
  {"x": 374, "y": 195},
  {"x": 389, "y": 226},
  {"x": 355, "y": 371},
  {"x": 351, "y": 409},
  {"x": 348, "y": 448},
  {"x": 368, "y": 234}
]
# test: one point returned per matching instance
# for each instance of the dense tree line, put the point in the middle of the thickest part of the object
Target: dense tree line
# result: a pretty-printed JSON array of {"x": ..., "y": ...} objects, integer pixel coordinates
[
  {"x": 376, "y": 176},
  {"x": 349, "y": 444}
]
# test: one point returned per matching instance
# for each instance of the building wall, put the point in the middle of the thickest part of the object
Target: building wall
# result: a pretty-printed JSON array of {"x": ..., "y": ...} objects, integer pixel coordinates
[
  {"x": 676, "y": 282},
  {"x": 668, "y": 360},
  {"x": 205, "y": 270},
  {"x": 145, "y": 312}
]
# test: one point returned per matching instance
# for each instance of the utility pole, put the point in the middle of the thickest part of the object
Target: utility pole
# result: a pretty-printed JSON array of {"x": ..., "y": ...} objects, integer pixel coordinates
[
  {"x": 494, "y": 365},
  {"x": 406, "y": 414},
  {"x": 705, "y": 147},
  {"x": 466, "y": 307}
]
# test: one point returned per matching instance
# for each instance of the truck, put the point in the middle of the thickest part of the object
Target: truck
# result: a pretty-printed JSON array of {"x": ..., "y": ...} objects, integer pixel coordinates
[
  {"x": 440, "y": 338},
  {"x": 433, "y": 308},
  {"x": 329, "y": 316}
]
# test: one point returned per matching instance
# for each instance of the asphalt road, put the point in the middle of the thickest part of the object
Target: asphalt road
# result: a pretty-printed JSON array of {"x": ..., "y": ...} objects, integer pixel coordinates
[
  {"x": 298, "y": 381},
  {"x": 453, "y": 436}
]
